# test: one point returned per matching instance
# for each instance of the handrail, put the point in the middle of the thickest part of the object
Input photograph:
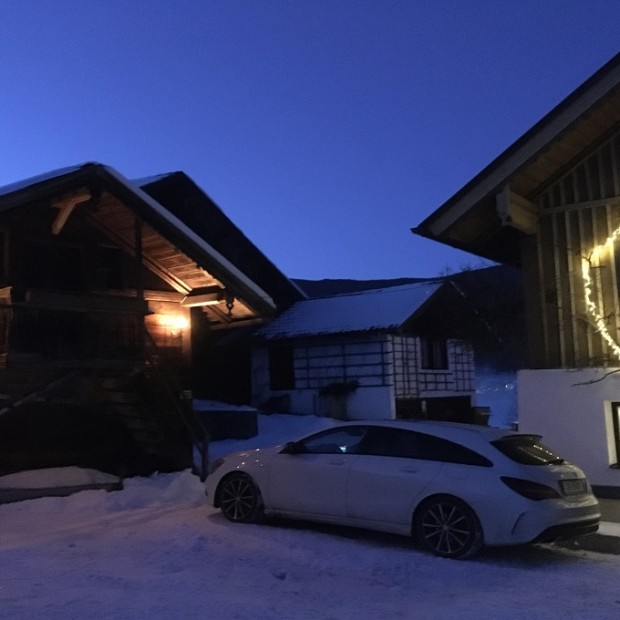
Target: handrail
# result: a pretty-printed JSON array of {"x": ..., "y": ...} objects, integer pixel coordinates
[{"x": 38, "y": 392}]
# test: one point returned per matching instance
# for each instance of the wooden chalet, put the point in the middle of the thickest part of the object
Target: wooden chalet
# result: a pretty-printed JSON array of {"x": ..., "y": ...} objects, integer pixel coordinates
[
  {"x": 117, "y": 300},
  {"x": 551, "y": 205}
]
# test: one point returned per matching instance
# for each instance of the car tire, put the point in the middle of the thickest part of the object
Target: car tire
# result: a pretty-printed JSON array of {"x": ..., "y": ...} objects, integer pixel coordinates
[
  {"x": 448, "y": 527},
  {"x": 240, "y": 499}
]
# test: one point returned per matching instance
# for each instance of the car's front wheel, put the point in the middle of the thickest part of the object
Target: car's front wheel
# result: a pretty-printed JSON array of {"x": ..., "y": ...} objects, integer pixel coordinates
[
  {"x": 240, "y": 499},
  {"x": 448, "y": 527}
]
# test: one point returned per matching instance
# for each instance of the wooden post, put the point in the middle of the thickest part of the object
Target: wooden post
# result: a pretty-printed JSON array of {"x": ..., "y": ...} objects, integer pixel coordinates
[{"x": 139, "y": 284}]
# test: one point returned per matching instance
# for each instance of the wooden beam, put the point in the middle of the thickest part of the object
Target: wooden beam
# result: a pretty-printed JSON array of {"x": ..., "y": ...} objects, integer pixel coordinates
[
  {"x": 66, "y": 205},
  {"x": 516, "y": 211}
]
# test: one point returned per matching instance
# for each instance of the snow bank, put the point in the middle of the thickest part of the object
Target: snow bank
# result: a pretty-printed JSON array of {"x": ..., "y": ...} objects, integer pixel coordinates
[
  {"x": 156, "y": 550},
  {"x": 56, "y": 477}
]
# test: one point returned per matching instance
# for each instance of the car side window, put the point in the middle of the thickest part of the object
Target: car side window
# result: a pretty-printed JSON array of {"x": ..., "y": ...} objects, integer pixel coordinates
[
  {"x": 345, "y": 440},
  {"x": 383, "y": 441},
  {"x": 400, "y": 443},
  {"x": 437, "y": 449}
]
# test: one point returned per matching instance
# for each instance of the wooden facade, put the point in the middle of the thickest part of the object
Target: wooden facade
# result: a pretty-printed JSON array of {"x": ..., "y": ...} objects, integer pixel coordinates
[
  {"x": 550, "y": 204},
  {"x": 569, "y": 261},
  {"x": 111, "y": 305}
]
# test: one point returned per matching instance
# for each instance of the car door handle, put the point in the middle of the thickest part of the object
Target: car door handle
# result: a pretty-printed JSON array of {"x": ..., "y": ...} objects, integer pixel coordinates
[
  {"x": 410, "y": 470},
  {"x": 336, "y": 462}
]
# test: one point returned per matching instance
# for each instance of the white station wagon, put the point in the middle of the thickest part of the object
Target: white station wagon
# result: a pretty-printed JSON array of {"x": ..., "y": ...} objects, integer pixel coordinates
[{"x": 453, "y": 487}]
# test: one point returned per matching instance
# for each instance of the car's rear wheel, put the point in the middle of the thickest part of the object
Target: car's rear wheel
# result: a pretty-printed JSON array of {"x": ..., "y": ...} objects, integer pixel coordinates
[
  {"x": 240, "y": 499},
  {"x": 448, "y": 527}
]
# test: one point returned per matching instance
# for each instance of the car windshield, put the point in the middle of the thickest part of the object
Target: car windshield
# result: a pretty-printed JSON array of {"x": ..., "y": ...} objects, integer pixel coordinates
[{"x": 527, "y": 449}]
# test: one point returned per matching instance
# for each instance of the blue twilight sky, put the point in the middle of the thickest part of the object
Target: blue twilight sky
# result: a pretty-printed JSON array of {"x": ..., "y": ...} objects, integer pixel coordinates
[{"x": 325, "y": 129}]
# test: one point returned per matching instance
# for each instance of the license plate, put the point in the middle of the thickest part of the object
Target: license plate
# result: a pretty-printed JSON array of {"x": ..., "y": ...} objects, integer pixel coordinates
[{"x": 573, "y": 487}]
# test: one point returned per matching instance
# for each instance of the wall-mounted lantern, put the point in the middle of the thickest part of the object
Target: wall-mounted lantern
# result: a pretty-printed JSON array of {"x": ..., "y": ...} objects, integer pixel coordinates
[{"x": 174, "y": 323}]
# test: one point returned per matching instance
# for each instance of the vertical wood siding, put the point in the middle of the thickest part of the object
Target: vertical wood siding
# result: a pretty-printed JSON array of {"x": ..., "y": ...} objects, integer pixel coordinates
[{"x": 578, "y": 212}]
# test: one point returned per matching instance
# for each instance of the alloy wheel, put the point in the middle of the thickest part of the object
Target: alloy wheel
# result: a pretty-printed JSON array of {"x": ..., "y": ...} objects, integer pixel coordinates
[
  {"x": 240, "y": 499},
  {"x": 449, "y": 528}
]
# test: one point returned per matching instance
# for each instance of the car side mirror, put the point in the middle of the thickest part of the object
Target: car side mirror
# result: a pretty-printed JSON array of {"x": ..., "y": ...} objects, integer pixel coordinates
[{"x": 291, "y": 447}]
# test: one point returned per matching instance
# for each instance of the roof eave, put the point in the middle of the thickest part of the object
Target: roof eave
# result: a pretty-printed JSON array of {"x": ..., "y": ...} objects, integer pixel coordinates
[
  {"x": 180, "y": 177},
  {"x": 193, "y": 244},
  {"x": 496, "y": 175},
  {"x": 102, "y": 176}
]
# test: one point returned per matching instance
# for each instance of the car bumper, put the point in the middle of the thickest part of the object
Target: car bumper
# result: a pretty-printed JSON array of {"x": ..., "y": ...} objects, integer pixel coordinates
[
  {"x": 568, "y": 530},
  {"x": 552, "y": 521}
]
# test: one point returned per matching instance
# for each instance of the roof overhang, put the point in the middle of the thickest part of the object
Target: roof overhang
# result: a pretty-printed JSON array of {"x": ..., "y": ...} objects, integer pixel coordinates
[
  {"x": 182, "y": 197},
  {"x": 94, "y": 179},
  {"x": 492, "y": 213}
]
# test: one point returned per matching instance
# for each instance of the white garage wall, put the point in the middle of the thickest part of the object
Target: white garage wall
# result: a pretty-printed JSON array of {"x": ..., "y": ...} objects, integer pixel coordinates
[
  {"x": 365, "y": 361},
  {"x": 383, "y": 367},
  {"x": 571, "y": 409}
]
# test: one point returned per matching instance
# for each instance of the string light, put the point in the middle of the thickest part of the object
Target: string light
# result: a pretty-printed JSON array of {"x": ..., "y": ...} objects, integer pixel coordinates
[{"x": 591, "y": 306}]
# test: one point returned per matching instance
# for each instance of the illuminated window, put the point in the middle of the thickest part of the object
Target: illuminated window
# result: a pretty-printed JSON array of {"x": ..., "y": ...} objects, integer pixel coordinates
[{"x": 434, "y": 354}]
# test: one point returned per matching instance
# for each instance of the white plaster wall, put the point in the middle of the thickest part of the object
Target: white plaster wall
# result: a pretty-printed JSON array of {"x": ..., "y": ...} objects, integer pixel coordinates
[
  {"x": 371, "y": 403},
  {"x": 573, "y": 418},
  {"x": 304, "y": 402},
  {"x": 498, "y": 391},
  {"x": 365, "y": 403}
]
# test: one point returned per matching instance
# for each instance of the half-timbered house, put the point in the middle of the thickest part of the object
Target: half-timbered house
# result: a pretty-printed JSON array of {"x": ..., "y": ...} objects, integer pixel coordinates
[{"x": 396, "y": 352}]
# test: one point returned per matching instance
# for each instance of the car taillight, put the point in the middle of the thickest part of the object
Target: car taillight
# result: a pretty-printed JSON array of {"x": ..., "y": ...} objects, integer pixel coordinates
[{"x": 529, "y": 489}]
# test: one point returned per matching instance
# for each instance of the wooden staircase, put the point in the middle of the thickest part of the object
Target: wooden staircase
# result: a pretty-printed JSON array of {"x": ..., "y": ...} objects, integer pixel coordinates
[
  {"x": 23, "y": 385},
  {"x": 131, "y": 399},
  {"x": 145, "y": 399}
]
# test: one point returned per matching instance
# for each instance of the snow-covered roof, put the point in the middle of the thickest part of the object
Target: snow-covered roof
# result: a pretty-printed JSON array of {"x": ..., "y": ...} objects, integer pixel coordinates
[
  {"x": 376, "y": 310},
  {"x": 40, "y": 178},
  {"x": 143, "y": 181},
  {"x": 60, "y": 172},
  {"x": 190, "y": 234},
  {"x": 183, "y": 197},
  {"x": 171, "y": 221}
]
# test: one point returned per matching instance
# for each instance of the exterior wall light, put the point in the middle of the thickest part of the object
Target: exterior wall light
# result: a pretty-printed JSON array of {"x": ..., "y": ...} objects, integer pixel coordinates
[{"x": 174, "y": 323}]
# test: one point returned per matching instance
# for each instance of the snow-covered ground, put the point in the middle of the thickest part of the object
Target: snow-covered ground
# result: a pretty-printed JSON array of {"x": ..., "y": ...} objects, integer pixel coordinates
[{"x": 156, "y": 550}]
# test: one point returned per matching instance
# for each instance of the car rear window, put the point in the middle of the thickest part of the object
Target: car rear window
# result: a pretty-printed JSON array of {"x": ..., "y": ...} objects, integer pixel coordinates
[
  {"x": 437, "y": 449},
  {"x": 400, "y": 443},
  {"x": 527, "y": 450}
]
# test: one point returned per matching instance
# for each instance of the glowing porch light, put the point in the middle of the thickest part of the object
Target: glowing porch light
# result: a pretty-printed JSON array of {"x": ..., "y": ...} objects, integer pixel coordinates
[
  {"x": 591, "y": 306},
  {"x": 176, "y": 323}
]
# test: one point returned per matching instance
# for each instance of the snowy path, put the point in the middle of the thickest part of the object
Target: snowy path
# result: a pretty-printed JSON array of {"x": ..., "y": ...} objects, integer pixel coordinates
[{"x": 156, "y": 550}]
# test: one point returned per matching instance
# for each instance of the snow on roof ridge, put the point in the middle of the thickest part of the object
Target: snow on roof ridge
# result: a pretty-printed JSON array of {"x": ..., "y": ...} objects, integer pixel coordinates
[
  {"x": 142, "y": 181},
  {"x": 364, "y": 311},
  {"x": 382, "y": 289},
  {"x": 155, "y": 207},
  {"x": 192, "y": 235},
  {"x": 16, "y": 186}
]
